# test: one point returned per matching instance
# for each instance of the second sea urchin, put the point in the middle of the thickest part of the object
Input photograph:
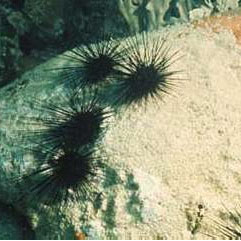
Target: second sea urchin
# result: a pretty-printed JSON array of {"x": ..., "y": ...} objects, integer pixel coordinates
[
  {"x": 93, "y": 64},
  {"x": 145, "y": 71},
  {"x": 79, "y": 121}
]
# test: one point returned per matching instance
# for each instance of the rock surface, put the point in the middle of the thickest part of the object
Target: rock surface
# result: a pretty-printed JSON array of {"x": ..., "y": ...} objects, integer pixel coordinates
[{"x": 171, "y": 166}]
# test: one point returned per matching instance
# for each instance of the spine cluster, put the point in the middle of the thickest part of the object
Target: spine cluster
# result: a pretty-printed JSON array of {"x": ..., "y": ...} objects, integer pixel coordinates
[{"x": 99, "y": 77}]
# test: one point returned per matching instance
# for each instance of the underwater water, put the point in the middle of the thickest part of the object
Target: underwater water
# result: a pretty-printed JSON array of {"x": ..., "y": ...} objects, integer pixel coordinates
[{"x": 120, "y": 119}]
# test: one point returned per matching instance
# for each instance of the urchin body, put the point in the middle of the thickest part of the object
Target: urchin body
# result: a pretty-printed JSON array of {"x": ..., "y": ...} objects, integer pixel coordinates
[{"x": 98, "y": 68}]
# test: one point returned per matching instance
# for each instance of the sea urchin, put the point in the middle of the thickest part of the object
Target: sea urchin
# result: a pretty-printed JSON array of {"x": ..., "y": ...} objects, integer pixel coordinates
[
  {"x": 92, "y": 65},
  {"x": 145, "y": 71},
  {"x": 228, "y": 225},
  {"x": 78, "y": 122},
  {"x": 66, "y": 176}
]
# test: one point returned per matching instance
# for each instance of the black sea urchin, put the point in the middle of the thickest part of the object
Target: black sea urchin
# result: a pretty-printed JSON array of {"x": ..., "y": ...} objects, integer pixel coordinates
[
  {"x": 66, "y": 176},
  {"x": 79, "y": 121},
  {"x": 231, "y": 228},
  {"x": 92, "y": 65},
  {"x": 145, "y": 72}
]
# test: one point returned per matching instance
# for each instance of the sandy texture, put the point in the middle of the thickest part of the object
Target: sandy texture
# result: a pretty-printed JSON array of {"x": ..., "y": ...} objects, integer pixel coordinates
[
  {"x": 191, "y": 144},
  {"x": 171, "y": 166}
]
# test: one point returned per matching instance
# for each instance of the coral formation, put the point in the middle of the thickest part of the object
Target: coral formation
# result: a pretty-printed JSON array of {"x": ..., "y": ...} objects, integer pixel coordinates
[{"x": 151, "y": 14}]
